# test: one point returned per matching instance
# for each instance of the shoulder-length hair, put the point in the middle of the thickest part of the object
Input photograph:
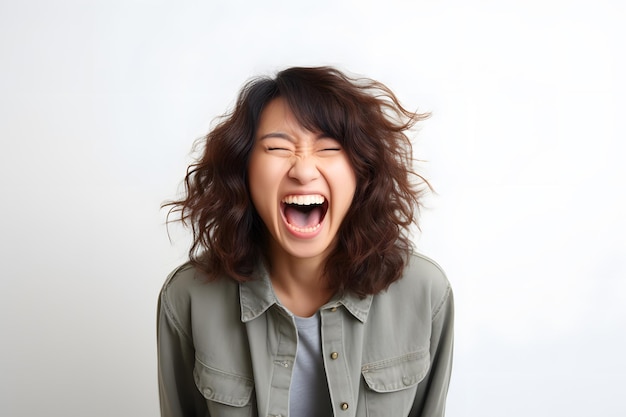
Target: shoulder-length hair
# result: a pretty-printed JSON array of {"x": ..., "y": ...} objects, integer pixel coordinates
[{"x": 372, "y": 246}]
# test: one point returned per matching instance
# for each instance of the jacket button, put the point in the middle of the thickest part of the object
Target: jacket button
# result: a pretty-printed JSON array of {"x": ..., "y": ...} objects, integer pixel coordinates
[
  {"x": 208, "y": 392},
  {"x": 334, "y": 355},
  {"x": 344, "y": 406},
  {"x": 406, "y": 380},
  {"x": 333, "y": 309}
]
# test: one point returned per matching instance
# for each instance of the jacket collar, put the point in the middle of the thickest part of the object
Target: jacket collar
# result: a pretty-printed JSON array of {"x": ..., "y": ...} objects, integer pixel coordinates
[{"x": 257, "y": 296}]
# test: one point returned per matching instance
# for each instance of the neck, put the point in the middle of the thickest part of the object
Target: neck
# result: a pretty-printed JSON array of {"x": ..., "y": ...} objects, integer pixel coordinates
[{"x": 299, "y": 283}]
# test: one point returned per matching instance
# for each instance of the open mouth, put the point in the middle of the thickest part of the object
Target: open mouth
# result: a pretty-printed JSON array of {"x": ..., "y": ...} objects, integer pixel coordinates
[{"x": 304, "y": 213}]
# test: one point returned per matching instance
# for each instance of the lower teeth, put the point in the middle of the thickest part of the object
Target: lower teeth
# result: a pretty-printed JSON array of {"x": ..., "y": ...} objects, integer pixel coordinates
[{"x": 304, "y": 229}]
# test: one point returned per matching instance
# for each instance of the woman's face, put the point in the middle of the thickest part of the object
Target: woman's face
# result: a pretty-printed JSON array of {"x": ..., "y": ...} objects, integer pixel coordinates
[{"x": 301, "y": 183}]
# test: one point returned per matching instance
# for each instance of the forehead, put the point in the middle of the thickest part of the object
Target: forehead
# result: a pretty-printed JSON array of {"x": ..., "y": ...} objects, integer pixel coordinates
[{"x": 278, "y": 117}]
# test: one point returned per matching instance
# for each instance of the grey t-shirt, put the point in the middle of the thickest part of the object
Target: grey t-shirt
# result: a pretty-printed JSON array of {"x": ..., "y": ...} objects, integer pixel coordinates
[{"x": 309, "y": 396}]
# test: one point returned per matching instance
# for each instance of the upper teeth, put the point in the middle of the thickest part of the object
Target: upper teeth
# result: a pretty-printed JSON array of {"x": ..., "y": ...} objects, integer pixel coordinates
[{"x": 304, "y": 200}]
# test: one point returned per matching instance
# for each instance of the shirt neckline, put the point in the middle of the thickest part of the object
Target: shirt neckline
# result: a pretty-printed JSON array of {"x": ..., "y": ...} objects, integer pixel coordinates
[{"x": 257, "y": 296}]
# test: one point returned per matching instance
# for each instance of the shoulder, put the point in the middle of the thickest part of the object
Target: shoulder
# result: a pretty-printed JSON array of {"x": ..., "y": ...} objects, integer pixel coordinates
[
  {"x": 187, "y": 281},
  {"x": 207, "y": 314},
  {"x": 423, "y": 271},
  {"x": 423, "y": 283},
  {"x": 187, "y": 291},
  {"x": 179, "y": 281},
  {"x": 409, "y": 310}
]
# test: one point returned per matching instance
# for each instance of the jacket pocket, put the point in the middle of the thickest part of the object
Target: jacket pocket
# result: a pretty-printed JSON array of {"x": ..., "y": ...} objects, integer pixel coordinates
[
  {"x": 397, "y": 373},
  {"x": 391, "y": 384},
  {"x": 226, "y": 394}
]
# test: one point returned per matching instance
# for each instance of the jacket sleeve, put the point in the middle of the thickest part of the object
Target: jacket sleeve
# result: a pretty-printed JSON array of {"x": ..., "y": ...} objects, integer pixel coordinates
[
  {"x": 430, "y": 399},
  {"x": 177, "y": 390}
]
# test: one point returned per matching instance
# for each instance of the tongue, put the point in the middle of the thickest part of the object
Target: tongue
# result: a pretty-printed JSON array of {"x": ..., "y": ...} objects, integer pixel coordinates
[{"x": 303, "y": 217}]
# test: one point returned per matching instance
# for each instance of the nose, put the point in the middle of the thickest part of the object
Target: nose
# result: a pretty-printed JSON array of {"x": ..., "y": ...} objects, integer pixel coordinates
[{"x": 304, "y": 169}]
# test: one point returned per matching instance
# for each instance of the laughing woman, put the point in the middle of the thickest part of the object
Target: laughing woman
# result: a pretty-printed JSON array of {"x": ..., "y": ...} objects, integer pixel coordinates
[{"x": 303, "y": 295}]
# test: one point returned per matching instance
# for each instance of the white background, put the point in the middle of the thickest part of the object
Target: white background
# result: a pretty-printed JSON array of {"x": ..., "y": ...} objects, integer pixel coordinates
[{"x": 100, "y": 102}]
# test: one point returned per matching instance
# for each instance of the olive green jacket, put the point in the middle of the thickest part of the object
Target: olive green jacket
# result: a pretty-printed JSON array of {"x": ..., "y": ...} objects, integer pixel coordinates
[{"x": 228, "y": 349}]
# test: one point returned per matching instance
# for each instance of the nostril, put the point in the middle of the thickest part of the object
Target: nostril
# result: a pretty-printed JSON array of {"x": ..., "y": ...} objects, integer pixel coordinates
[{"x": 304, "y": 169}]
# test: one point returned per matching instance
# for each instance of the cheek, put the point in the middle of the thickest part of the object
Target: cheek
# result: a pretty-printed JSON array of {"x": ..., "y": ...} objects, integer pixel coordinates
[
  {"x": 263, "y": 179},
  {"x": 343, "y": 185},
  {"x": 255, "y": 183},
  {"x": 345, "y": 177}
]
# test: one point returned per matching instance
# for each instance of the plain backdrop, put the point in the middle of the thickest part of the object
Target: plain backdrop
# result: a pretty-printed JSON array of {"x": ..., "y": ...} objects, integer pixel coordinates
[{"x": 100, "y": 102}]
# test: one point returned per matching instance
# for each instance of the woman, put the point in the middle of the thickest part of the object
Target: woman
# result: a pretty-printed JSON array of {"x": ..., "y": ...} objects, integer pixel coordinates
[{"x": 302, "y": 296}]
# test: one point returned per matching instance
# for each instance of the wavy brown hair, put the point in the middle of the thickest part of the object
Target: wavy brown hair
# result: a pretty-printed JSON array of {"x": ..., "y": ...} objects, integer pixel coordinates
[{"x": 365, "y": 116}]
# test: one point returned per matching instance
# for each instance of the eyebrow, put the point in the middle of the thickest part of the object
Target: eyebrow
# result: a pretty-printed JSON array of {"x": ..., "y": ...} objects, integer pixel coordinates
[
  {"x": 280, "y": 135},
  {"x": 288, "y": 137}
]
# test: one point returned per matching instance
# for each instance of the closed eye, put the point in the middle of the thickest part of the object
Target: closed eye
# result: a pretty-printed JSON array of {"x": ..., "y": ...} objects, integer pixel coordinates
[
  {"x": 328, "y": 144},
  {"x": 279, "y": 151},
  {"x": 329, "y": 151}
]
